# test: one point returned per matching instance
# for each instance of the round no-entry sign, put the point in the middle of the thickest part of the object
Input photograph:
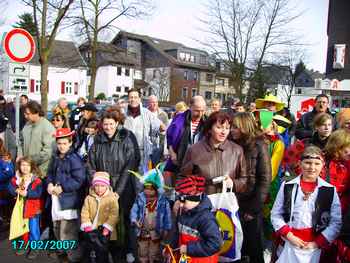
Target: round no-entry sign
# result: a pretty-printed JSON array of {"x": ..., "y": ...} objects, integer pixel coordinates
[{"x": 19, "y": 45}]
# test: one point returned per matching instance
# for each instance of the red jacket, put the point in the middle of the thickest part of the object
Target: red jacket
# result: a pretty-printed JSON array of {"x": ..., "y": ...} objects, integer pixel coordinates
[
  {"x": 34, "y": 202},
  {"x": 339, "y": 176}
]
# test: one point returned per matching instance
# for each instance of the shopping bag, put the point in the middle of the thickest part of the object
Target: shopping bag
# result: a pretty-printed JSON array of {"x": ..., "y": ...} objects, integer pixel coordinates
[
  {"x": 225, "y": 207},
  {"x": 293, "y": 254},
  {"x": 18, "y": 225}
]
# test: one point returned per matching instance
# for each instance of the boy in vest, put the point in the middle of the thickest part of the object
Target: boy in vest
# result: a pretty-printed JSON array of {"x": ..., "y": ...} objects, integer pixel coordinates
[
  {"x": 306, "y": 213},
  {"x": 197, "y": 232}
]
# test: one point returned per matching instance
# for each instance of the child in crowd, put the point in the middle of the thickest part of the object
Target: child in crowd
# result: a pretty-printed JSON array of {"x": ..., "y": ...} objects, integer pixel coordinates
[
  {"x": 65, "y": 179},
  {"x": 337, "y": 153},
  {"x": 197, "y": 233},
  {"x": 91, "y": 130},
  {"x": 7, "y": 171},
  {"x": 27, "y": 184},
  {"x": 151, "y": 215},
  {"x": 100, "y": 214},
  {"x": 306, "y": 213}
]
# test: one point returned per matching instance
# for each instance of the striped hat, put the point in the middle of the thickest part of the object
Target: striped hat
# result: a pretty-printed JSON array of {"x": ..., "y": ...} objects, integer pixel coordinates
[
  {"x": 101, "y": 178},
  {"x": 192, "y": 185}
]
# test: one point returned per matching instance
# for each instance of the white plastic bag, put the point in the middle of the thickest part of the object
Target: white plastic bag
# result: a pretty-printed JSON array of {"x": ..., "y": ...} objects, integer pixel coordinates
[{"x": 226, "y": 207}]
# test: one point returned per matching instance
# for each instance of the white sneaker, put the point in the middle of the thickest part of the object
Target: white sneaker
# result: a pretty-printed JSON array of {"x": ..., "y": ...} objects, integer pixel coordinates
[{"x": 130, "y": 258}]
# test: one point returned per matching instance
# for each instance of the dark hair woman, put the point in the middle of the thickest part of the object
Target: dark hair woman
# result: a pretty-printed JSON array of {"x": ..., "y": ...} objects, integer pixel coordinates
[
  {"x": 245, "y": 132},
  {"x": 216, "y": 156},
  {"x": 115, "y": 151}
]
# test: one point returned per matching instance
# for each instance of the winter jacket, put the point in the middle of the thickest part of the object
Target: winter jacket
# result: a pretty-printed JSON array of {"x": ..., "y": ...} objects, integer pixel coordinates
[
  {"x": 70, "y": 173},
  {"x": 37, "y": 142},
  {"x": 227, "y": 159},
  {"x": 338, "y": 175},
  {"x": 74, "y": 118},
  {"x": 163, "y": 217},
  {"x": 7, "y": 171},
  {"x": 304, "y": 127},
  {"x": 116, "y": 156},
  {"x": 258, "y": 163},
  {"x": 34, "y": 202},
  {"x": 198, "y": 229},
  {"x": 151, "y": 125},
  {"x": 104, "y": 209},
  {"x": 178, "y": 136}
]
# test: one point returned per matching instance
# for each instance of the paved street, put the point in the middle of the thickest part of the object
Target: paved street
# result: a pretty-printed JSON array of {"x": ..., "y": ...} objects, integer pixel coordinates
[{"x": 7, "y": 254}]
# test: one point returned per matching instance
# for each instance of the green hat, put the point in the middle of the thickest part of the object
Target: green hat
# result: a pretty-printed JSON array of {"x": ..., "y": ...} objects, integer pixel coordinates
[
  {"x": 154, "y": 177},
  {"x": 265, "y": 118}
]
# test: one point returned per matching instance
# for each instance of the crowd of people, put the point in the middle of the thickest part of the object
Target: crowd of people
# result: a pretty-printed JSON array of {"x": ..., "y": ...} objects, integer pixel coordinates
[{"x": 131, "y": 182}]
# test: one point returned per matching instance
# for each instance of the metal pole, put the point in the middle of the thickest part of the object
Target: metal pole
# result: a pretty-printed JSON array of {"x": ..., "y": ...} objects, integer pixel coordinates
[{"x": 17, "y": 120}]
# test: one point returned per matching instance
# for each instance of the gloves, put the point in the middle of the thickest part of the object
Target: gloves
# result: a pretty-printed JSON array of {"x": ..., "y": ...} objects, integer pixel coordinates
[{"x": 87, "y": 229}]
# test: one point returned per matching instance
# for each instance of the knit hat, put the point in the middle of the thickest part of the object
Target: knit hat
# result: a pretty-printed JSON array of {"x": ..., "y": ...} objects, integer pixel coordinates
[
  {"x": 343, "y": 116},
  {"x": 101, "y": 178},
  {"x": 192, "y": 185}
]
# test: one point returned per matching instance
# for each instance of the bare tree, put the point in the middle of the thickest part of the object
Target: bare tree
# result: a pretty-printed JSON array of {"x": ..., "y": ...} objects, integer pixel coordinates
[
  {"x": 48, "y": 16},
  {"x": 244, "y": 33},
  {"x": 3, "y": 7},
  {"x": 292, "y": 61},
  {"x": 92, "y": 23}
]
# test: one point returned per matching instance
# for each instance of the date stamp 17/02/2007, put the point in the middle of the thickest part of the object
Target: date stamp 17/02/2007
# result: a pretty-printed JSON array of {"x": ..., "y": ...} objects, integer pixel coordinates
[{"x": 44, "y": 244}]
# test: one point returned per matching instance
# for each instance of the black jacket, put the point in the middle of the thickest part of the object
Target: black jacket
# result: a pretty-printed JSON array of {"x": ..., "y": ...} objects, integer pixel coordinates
[
  {"x": 304, "y": 127},
  {"x": 315, "y": 140},
  {"x": 259, "y": 174},
  {"x": 116, "y": 156}
]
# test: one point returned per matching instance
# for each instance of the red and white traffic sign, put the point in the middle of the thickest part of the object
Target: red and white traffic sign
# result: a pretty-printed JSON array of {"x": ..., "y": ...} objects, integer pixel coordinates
[{"x": 19, "y": 45}]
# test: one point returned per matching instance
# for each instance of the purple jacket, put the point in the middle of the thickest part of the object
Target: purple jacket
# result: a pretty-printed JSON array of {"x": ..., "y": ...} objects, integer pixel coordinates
[{"x": 174, "y": 135}]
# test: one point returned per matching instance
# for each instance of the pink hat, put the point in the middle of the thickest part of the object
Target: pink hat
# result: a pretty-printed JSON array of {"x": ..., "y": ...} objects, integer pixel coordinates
[{"x": 101, "y": 178}]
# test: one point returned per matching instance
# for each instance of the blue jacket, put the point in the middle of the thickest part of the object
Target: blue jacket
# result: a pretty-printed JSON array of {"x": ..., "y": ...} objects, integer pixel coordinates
[
  {"x": 163, "y": 218},
  {"x": 7, "y": 171},
  {"x": 200, "y": 226},
  {"x": 70, "y": 173}
]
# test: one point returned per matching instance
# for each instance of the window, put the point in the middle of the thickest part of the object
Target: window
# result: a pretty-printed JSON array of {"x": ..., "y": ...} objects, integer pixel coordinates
[
  {"x": 299, "y": 91},
  {"x": 188, "y": 57},
  {"x": 118, "y": 89},
  {"x": 220, "y": 82},
  {"x": 69, "y": 88},
  {"x": 195, "y": 75},
  {"x": 127, "y": 72},
  {"x": 37, "y": 86},
  {"x": 222, "y": 67},
  {"x": 218, "y": 95},
  {"x": 208, "y": 95},
  {"x": 194, "y": 92},
  {"x": 184, "y": 93},
  {"x": 126, "y": 89},
  {"x": 119, "y": 71},
  {"x": 185, "y": 75},
  {"x": 209, "y": 77},
  {"x": 203, "y": 59}
]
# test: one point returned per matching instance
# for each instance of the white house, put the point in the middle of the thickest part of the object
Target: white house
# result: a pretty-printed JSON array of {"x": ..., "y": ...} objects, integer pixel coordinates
[
  {"x": 117, "y": 70},
  {"x": 67, "y": 75}
]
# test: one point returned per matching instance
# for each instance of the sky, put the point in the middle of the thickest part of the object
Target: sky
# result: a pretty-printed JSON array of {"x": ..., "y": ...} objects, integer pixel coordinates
[{"x": 177, "y": 20}]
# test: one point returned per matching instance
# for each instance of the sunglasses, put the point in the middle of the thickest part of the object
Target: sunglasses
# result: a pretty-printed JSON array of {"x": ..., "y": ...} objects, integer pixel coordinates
[{"x": 193, "y": 198}]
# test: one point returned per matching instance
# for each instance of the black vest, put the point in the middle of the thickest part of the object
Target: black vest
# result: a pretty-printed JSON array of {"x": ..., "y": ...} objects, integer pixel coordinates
[{"x": 321, "y": 215}]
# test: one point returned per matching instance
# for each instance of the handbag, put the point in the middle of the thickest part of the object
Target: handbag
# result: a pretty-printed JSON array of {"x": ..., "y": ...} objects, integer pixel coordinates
[
  {"x": 18, "y": 225},
  {"x": 225, "y": 207}
]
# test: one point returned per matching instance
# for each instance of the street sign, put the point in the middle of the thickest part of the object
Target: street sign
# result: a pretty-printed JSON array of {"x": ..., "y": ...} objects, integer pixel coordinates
[
  {"x": 19, "y": 70},
  {"x": 18, "y": 84},
  {"x": 19, "y": 45}
]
